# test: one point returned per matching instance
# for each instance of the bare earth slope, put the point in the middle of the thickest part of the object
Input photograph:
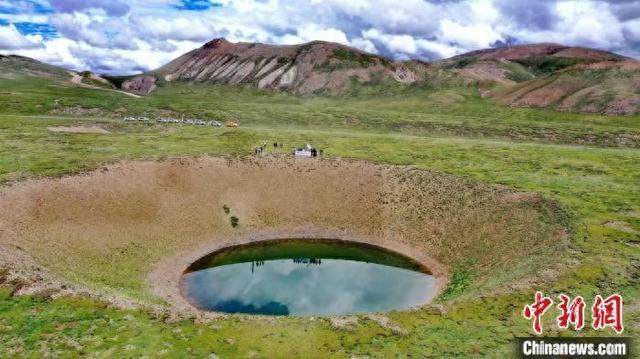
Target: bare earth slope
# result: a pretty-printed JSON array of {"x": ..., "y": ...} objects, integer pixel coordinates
[
  {"x": 315, "y": 67},
  {"x": 538, "y": 75},
  {"x": 510, "y": 65},
  {"x": 108, "y": 229},
  {"x": 609, "y": 87},
  {"x": 520, "y": 52},
  {"x": 556, "y": 76}
]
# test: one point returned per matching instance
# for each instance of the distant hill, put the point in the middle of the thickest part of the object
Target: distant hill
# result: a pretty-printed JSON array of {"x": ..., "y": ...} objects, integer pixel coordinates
[
  {"x": 538, "y": 75},
  {"x": 608, "y": 87},
  {"x": 14, "y": 67},
  {"x": 509, "y": 65},
  {"x": 314, "y": 68},
  {"x": 554, "y": 76},
  {"x": 523, "y": 52}
]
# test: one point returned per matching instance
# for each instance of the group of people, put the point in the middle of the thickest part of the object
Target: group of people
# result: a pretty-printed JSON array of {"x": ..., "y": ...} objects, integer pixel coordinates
[
  {"x": 261, "y": 149},
  {"x": 256, "y": 264},
  {"x": 316, "y": 261}
]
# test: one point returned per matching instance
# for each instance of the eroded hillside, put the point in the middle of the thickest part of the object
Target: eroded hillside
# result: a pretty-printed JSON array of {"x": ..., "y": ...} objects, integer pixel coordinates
[
  {"x": 316, "y": 67},
  {"x": 553, "y": 76},
  {"x": 563, "y": 78},
  {"x": 609, "y": 87}
]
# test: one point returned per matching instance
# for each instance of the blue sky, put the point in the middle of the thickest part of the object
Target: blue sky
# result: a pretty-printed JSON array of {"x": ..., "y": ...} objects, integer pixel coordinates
[
  {"x": 196, "y": 5},
  {"x": 123, "y": 37}
]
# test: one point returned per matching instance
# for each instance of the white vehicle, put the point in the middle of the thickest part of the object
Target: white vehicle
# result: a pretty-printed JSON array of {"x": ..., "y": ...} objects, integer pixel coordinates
[{"x": 307, "y": 151}]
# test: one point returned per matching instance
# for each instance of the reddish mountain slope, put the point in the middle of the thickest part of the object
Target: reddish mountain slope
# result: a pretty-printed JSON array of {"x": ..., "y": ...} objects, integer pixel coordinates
[
  {"x": 539, "y": 75},
  {"x": 554, "y": 76},
  {"x": 609, "y": 87},
  {"x": 316, "y": 67}
]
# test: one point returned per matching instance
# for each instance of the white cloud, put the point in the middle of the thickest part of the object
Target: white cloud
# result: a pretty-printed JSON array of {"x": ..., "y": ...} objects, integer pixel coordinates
[
  {"x": 313, "y": 32},
  {"x": 632, "y": 29},
  {"x": 581, "y": 23},
  {"x": 406, "y": 47},
  {"x": 395, "y": 43},
  {"x": 152, "y": 32},
  {"x": 589, "y": 23},
  {"x": 439, "y": 49},
  {"x": 468, "y": 36},
  {"x": 95, "y": 29},
  {"x": 390, "y": 16},
  {"x": 177, "y": 28},
  {"x": 11, "y": 39},
  {"x": 79, "y": 55},
  {"x": 364, "y": 45},
  {"x": 111, "y": 7},
  {"x": 55, "y": 52}
]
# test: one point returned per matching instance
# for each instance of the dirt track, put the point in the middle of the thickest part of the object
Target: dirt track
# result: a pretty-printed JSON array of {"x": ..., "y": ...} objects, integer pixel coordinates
[
  {"x": 130, "y": 228},
  {"x": 78, "y": 129},
  {"x": 77, "y": 79}
]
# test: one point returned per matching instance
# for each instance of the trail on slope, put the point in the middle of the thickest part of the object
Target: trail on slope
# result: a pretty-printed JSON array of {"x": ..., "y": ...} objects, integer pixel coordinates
[{"x": 77, "y": 79}]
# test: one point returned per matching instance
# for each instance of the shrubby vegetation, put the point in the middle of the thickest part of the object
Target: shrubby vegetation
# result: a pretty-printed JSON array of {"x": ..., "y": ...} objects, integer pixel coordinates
[
  {"x": 548, "y": 64},
  {"x": 461, "y": 62}
]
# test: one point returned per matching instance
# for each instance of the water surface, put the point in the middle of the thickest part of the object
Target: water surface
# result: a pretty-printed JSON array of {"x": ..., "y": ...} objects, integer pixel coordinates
[{"x": 306, "y": 277}]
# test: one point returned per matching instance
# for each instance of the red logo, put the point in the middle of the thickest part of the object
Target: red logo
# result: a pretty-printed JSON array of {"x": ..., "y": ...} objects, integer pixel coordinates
[
  {"x": 607, "y": 313},
  {"x": 572, "y": 312},
  {"x": 604, "y": 312},
  {"x": 536, "y": 310}
]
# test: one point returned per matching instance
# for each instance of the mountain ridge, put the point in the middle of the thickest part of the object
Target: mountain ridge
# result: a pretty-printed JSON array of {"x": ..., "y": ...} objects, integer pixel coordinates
[
  {"x": 317, "y": 67},
  {"x": 544, "y": 75}
]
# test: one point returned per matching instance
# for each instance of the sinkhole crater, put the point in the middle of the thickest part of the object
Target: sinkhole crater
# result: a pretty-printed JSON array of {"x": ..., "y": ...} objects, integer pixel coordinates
[{"x": 306, "y": 277}]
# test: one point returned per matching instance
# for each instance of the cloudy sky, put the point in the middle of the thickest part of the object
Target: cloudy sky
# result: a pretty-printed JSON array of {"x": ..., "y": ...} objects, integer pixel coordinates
[{"x": 123, "y": 37}]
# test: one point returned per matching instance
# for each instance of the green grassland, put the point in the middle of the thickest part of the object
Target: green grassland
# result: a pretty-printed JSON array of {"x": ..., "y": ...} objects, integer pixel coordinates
[
  {"x": 588, "y": 163},
  {"x": 426, "y": 110}
]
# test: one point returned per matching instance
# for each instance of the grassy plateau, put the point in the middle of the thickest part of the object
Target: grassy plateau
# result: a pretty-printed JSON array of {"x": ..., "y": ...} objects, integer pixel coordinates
[{"x": 585, "y": 167}]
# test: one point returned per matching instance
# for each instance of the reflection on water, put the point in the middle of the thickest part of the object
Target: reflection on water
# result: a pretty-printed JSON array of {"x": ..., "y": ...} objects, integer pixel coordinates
[{"x": 306, "y": 286}]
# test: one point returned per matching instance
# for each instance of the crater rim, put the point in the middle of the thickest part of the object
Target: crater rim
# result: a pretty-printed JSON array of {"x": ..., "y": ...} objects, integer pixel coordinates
[{"x": 166, "y": 278}]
